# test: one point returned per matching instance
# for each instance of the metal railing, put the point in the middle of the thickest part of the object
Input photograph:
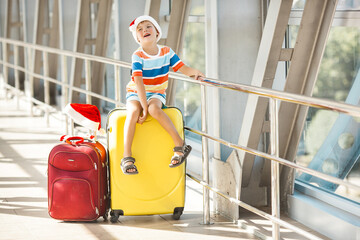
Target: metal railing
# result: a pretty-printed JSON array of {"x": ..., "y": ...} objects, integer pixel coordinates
[{"x": 273, "y": 95}]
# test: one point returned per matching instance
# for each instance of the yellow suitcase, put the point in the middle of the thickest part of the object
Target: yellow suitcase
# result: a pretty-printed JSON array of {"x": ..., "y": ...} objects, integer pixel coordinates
[{"x": 157, "y": 189}]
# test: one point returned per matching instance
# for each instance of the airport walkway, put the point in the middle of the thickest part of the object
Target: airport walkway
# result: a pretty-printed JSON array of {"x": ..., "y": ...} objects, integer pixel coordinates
[{"x": 25, "y": 142}]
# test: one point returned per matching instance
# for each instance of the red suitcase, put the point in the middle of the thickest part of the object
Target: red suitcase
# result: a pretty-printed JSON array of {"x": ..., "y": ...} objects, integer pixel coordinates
[{"x": 77, "y": 181}]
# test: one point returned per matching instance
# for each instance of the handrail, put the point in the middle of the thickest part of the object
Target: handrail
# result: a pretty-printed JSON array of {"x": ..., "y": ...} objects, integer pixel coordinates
[
  {"x": 273, "y": 95},
  {"x": 277, "y": 159},
  {"x": 67, "y": 53},
  {"x": 289, "y": 97},
  {"x": 283, "y": 96},
  {"x": 60, "y": 83},
  {"x": 264, "y": 92}
]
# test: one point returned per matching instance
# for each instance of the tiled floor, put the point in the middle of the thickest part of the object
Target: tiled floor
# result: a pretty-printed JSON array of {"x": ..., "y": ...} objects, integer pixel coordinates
[{"x": 24, "y": 146}]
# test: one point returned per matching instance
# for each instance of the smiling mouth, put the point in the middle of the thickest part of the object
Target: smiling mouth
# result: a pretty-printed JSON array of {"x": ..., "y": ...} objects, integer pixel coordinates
[{"x": 146, "y": 35}]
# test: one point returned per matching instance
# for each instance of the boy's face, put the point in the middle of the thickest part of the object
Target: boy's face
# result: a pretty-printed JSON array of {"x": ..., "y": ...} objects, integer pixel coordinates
[{"x": 146, "y": 32}]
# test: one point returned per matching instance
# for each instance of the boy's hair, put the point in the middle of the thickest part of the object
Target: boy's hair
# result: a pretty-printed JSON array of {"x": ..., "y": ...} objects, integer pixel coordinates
[{"x": 136, "y": 21}]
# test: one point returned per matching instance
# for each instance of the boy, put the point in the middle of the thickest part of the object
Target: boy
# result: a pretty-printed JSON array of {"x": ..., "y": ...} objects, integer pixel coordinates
[{"x": 146, "y": 90}]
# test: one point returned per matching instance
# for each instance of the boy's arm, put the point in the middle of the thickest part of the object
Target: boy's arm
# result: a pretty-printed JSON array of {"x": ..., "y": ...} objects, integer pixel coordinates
[
  {"x": 142, "y": 96},
  {"x": 191, "y": 72}
]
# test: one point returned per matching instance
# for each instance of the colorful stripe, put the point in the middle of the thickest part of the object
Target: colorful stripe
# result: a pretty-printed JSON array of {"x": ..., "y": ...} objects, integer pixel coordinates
[{"x": 154, "y": 69}]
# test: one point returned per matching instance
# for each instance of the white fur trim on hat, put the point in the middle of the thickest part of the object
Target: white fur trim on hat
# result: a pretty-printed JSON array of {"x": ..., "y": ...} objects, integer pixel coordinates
[
  {"x": 135, "y": 23},
  {"x": 81, "y": 119}
]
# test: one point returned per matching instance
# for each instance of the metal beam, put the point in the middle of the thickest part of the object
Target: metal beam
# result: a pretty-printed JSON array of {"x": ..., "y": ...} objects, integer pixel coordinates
[
  {"x": 98, "y": 69},
  {"x": 264, "y": 74},
  {"x": 152, "y": 8},
  {"x": 13, "y": 29},
  {"x": 46, "y": 35},
  {"x": 308, "y": 51},
  {"x": 176, "y": 32},
  {"x": 83, "y": 32},
  {"x": 319, "y": 30}
]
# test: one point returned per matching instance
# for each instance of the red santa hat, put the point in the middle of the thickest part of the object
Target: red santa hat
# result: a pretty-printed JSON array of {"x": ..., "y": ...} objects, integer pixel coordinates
[
  {"x": 86, "y": 115},
  {"x": 135, "y": 23}
]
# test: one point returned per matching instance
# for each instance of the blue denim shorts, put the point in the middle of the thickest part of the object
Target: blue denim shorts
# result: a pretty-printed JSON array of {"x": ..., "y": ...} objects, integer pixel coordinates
[{"x": 131, "y": 96}]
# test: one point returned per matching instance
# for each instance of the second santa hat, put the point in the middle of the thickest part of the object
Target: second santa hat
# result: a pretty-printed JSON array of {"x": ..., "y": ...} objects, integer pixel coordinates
[{"x": 86, "y": 115}]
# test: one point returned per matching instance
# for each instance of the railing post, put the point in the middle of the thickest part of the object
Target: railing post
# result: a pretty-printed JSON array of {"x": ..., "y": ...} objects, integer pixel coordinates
[
  {"x": 205, "y": 159},
  {"x": 30, "y": 66},
  {"x": 72, "y": 130},
  {"x": 117, "y": 85},
  {"x": 46, "y": 86},
  {"x": 5, "y": 68},
  {"x": 16, "y": 74},
  {"x": 88, "y": 80},
  {"x": 88, "y": 87},
  {"x": 65, "y": 89},
  {"x": 275, "y": 181}
]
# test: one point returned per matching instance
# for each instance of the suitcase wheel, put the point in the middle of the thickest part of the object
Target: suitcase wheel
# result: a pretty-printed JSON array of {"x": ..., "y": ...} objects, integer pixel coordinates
[
  {"x": 115, "y": 214},
  {"x": 177, "y": 213},
  {"x": 105, "y": 216}
]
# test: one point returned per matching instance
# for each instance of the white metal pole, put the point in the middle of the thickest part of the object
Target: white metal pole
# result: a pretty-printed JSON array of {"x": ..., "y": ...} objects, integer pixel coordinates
[
  {"x": 16, "y": 73},
  {"x": 275, "y": 182},
  {"x": 205, "y": 159},
  {"x": 88, "y": 79},
  {"x": 88, "y": 87},
  {"x": 46, "y": 86},
  {"x": 65, "y": 89},
  {"x": 5, "y": 60},
  {"x": 30, "y": 66},
  {"x": 117, "y": 85},
  {"x": 211, "y": 64}
]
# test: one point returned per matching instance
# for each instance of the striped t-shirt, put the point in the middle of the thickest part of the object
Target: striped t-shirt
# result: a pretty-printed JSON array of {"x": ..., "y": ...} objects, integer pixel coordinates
[{"x": 153, "y": 69}]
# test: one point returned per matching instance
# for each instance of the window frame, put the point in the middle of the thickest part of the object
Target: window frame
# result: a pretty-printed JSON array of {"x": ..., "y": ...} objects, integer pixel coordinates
[{"x": 342, "y": 18}]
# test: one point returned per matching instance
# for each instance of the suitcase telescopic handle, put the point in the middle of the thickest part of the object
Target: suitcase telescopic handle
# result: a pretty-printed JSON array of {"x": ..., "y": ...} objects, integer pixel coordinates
[{"x": 74, "y": 140}]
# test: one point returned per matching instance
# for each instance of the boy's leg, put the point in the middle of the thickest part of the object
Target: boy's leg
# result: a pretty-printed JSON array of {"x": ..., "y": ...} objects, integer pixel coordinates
[
  {"x": 156, "y": 112},
  {"x": 133, "y": 110}
]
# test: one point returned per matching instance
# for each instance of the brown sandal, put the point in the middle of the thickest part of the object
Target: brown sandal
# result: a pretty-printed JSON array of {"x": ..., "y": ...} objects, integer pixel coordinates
[
  {"x": 185, "y": 149},
  {"x": 125, "y": 167}
]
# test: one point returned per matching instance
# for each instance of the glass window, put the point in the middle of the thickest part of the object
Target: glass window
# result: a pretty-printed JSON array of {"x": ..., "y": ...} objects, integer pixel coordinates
[
  {"x": 348, "y": 5},
  {"x": 298, "y": 4},
  {"x": 342, "y": 4},
  {"x": 188, "y": 94},
  {"x": 330, "y": 141}
]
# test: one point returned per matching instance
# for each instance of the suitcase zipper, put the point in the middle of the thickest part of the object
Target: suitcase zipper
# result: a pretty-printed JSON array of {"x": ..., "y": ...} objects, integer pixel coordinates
[
  {"x": 100, "y": 202},
  {"x": 99, "y": 175},
  {"x": 98, "y": 150}
]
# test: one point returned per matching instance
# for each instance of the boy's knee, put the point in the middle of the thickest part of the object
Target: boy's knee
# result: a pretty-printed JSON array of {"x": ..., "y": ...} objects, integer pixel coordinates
[
  {"x": 154, "y": 111},
  {"x": 133, "y": 113}
]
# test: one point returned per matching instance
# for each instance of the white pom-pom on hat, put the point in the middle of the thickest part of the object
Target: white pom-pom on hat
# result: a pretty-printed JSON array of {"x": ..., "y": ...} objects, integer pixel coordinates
[{"x": 136, "y": 21}]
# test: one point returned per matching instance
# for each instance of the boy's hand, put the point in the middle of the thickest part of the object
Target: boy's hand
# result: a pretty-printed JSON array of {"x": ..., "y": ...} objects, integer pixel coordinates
[
  {"x": 198, "y": 75},
  {"x": 142, "y": 117},
  {"x": 192, "y": 72}
]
